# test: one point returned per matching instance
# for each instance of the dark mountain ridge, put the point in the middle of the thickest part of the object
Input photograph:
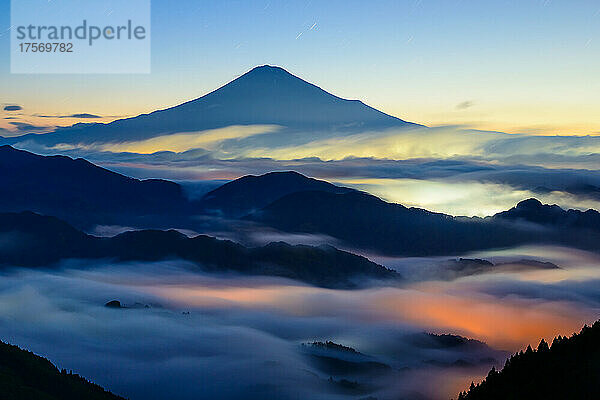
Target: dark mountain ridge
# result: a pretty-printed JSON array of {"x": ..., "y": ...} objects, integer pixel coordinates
[
  {"x": 367, "y": 222},
  {"x": 85, "y": 194},
  {"x": 80, "y": 191},
  {"x": 32, "y": 240},
  {"x": 251, "y": 193},
  {"x": 532, "y": 210}
]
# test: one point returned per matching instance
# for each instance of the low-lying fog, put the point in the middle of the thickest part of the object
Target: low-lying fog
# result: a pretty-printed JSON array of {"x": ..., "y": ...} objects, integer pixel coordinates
[{"x": 185, "y": 335}]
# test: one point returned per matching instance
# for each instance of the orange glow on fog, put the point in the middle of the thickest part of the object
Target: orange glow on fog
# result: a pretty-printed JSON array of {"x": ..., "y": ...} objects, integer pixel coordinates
[
  {"x": 509, "y": 323},
  {"x": 261, "y": 296}
]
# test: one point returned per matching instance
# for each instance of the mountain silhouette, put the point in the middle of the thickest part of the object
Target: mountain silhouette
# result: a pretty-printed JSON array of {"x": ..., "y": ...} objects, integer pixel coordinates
[
  {"x": 367, "y": 222},
  {"x": 460, "y": 267},
  {"x": 81, "y": 192},
  {"x": 532, "y": 210},
  {"x": 568, "y": 369},
  {"x": 344, "y": 362},
  {"x": 265, "y": 95},
  {"x": 24, "y": 375},
  {"x": 32, "y": 240},
  {"x": 85, "y": 194},
  {"x": 251, "y": 193}
]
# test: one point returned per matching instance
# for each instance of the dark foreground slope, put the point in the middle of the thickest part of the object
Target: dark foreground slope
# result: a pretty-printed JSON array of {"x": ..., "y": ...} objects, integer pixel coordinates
[
  {"x": 25, "y": 376},
  {"x": 569, "y": 369},
  {"x": 32, "y": 240}
]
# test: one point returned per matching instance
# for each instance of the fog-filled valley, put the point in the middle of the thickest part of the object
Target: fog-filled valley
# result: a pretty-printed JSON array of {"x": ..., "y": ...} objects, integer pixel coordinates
[{"x": 190, "y": 335}]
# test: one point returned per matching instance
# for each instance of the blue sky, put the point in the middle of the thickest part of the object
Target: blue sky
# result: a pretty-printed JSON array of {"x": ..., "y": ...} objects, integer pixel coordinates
[{"x": 527, "y": 66}]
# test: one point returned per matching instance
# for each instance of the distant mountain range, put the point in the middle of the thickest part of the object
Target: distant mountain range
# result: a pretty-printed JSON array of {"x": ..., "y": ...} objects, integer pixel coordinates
[
  {"x": 25, "y": 376},
  {"x": 367, "y": 222},
  {"x": 80, "y": 191},
  {"x": 86, "y": 195},
  {"x": 568, "y": 369},
  {"x": 32, "y": 240},
  {"x": 266, "y": 95}
]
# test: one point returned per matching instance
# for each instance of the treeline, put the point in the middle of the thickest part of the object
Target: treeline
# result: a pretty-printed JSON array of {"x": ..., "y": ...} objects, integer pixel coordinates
[
  {"x": 26, "y": 376},
  {"x": 568, "y": 369}
]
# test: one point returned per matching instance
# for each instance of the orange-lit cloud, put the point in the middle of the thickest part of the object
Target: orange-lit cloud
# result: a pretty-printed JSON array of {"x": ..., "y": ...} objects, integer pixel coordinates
[{"x": 509, "y": 323}]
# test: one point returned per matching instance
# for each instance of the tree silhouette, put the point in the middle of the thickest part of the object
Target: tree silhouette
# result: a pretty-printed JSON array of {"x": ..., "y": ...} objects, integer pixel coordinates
[
  {"x": 25, "y": 376},
  {"x": 569, "y": 369}
]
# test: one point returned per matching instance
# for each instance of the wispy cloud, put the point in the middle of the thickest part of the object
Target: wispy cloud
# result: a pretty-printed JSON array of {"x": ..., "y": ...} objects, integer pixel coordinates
[
  {"x": 464, "y": 105},
  {"x": 27, "y": 127},
  {"x": 12, "y": 107},
  {"x": 76, "y": 116},
  {"x": 179, "y": 142}
]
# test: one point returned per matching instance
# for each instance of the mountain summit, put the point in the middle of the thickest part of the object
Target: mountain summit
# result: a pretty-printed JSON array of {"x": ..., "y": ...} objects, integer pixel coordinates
[{"x": 265, "y": 95}]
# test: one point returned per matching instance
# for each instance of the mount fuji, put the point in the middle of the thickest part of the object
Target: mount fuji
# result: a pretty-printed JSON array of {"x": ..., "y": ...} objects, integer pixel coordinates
[{"x": 266, "y": 95}]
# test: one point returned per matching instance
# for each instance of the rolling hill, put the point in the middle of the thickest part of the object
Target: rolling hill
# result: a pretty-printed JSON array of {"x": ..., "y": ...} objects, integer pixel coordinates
[
  {"x": 251, "y": 193},
  {"x": 32, "y": 240}
]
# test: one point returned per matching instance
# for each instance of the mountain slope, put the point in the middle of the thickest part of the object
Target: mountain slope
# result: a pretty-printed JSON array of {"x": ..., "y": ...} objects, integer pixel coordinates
[
  {"x": 264, "y": 95},
  {"x": 367, "y": 222},
  {"x": 251, "y": 193},
  {"x": 532, "y": 210},
  {"x": 32, "y": 240},
  {"x": 23, "y": 376},
  {"x": 78, "y": 190},
  {"x": 569, "y": 369},
  {"x": 85, "y": 194}
]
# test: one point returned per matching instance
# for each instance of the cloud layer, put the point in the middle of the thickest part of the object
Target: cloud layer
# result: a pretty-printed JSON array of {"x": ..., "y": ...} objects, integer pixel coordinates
[{"x": 206, "y": 337}]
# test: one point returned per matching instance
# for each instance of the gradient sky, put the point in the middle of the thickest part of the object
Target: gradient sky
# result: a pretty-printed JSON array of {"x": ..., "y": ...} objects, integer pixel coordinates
[{"x": 517, "y": 66}]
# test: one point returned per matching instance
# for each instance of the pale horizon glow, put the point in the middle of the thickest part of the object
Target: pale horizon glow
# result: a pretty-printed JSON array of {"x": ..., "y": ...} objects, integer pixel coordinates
[{"x": 526, "y": 68}]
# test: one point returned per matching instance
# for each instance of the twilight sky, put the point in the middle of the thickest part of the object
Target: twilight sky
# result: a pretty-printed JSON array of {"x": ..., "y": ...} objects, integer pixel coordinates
[{"x": 516, "y": 66}]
